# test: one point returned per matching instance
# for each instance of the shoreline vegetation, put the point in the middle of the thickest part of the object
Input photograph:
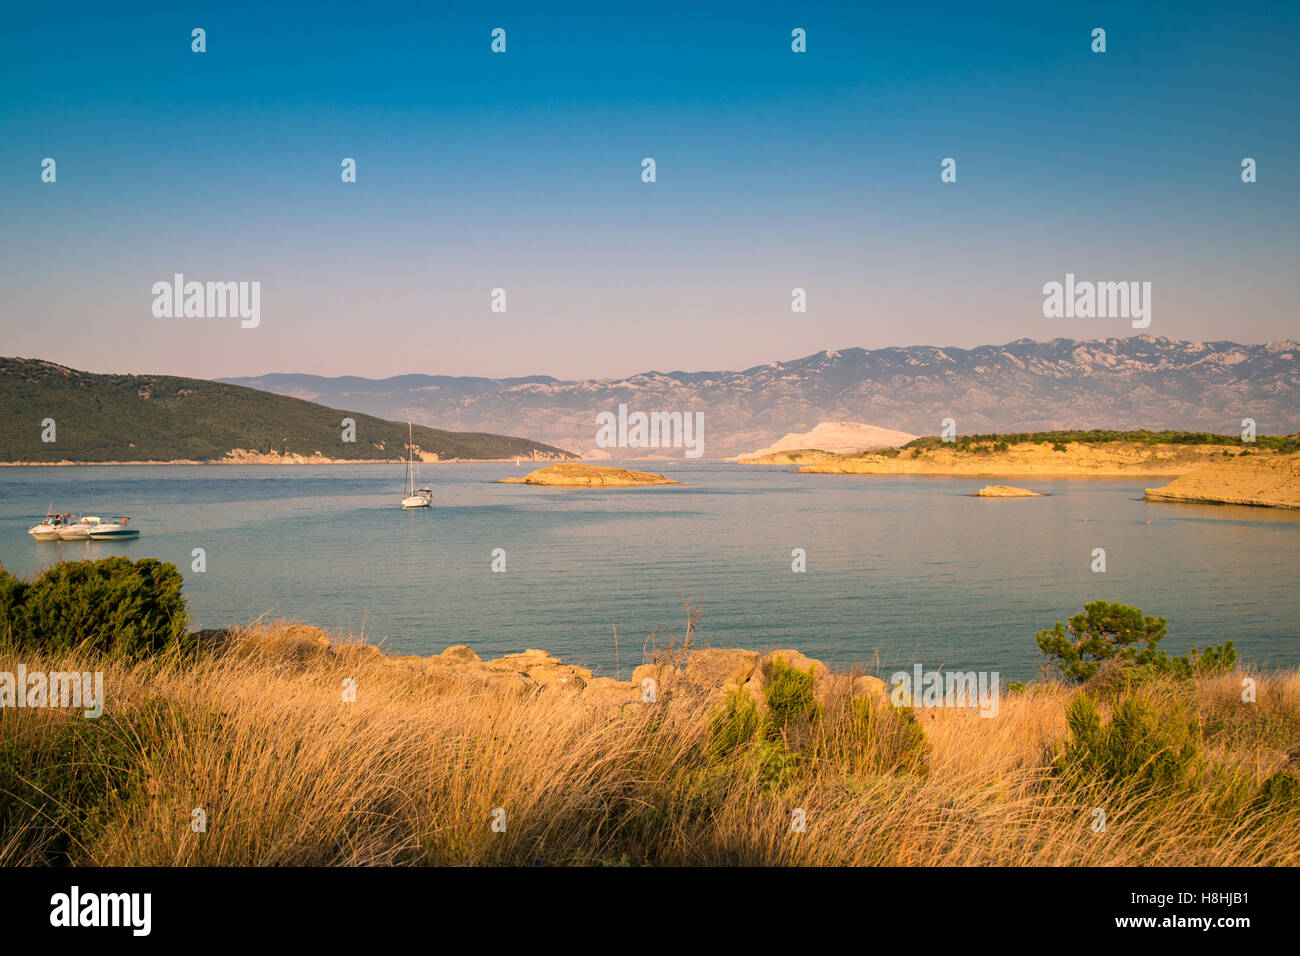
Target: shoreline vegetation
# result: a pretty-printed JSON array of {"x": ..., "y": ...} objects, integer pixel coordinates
[
  {"x": 59, "y": 415},
  {"x": 241, "y": 457},
  {"x": 300, "y": 750}
]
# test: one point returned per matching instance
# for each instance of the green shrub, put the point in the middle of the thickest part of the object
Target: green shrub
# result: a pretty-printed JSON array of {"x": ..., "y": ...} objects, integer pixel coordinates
[
  {"x": 1280, "y": 791},
  {"x": 750, "y": 741},
  {"x": 111, "y": 605},
  {"x": 1103, "y": 632},
  {"x": 789, "y": 695},
  {"x": 1214, "y": 661},
  {"x": 58, "y": 784},
  {"x": 738, "y": 724},
  {"x": 888, "y": 738},
  {"x": 1137, "y": 746}
]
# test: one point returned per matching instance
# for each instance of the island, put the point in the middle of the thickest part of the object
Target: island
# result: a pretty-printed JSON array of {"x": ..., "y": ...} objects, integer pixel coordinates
[
  {"x": 1063, "y": 454},
  {"x": 589, "y": 476},
  {"x": 1005, "y": 491}
]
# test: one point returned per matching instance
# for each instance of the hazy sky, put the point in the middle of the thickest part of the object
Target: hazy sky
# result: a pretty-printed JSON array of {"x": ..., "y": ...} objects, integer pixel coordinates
[{"x": 522, "y": 171}]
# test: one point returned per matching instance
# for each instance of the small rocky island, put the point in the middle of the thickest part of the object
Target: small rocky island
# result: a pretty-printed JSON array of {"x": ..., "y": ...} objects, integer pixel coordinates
[
  {"x": 1005, "y": 491},
  {"x": 570, "y": 474}
]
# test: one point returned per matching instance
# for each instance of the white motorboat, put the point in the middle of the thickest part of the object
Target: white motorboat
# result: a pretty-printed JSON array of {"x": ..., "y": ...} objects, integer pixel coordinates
[
  {"x": 79, "y": 530},
  {"x": 109, "y": 530},
  {"x": 49, "y": 528},
  {"x": 414, "y": 497}
]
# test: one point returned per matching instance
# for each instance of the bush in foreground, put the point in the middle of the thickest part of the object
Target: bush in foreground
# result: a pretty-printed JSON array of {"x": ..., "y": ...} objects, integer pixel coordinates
[{"x": 112, "y": 605}]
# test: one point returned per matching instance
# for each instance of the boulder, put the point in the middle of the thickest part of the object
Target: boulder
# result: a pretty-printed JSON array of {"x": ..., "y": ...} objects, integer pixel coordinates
[
  {"x": 611, "y": 697},
  {"x": 664, "y": 675},
  {"x": 717, "y": 668},
  {"x": 493, "y": 680},
  {"x": 563, "y": 677},
  {"x": 867, "y": 686},
  {"x": 543, "y": 669},
  {"x": 354, "y": 652},
  {"x": 306, "y": 634},
  {"x": 459, "y": 654}
]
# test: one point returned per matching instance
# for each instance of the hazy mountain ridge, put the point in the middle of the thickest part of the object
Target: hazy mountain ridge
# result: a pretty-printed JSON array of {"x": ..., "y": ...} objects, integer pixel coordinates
[{"x": 1139, "y": 382}]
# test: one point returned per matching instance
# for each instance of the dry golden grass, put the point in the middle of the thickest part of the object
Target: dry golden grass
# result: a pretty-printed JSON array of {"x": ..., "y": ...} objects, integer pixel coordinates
[{"x": 258, "y": 735}]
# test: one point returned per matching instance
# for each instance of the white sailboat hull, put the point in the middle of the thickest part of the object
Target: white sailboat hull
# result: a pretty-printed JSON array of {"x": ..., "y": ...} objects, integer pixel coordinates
[{"x": 415, "y": 502}]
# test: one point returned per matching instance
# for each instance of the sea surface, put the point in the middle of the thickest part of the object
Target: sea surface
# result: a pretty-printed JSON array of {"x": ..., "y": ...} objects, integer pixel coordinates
[{"x": 900, "y": 570}]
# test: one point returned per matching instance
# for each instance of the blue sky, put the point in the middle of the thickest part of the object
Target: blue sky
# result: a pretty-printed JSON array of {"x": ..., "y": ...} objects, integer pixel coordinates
[{"x": 522, "y": 171}]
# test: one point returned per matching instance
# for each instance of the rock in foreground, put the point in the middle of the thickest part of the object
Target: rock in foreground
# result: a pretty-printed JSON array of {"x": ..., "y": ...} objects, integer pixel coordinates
[{"x": 589, "y": 476}]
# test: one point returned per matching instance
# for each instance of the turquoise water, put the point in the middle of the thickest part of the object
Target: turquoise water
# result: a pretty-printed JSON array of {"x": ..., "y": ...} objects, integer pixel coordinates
[{"x": 900, "y": 570}]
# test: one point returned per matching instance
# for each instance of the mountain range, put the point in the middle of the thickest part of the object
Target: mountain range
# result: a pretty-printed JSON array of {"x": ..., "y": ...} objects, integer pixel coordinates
[{"x": 1143, "y": 381}]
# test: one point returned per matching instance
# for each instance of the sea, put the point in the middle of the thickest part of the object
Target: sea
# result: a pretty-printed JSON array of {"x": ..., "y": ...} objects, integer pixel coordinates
[{"x": 895, "y": 571}]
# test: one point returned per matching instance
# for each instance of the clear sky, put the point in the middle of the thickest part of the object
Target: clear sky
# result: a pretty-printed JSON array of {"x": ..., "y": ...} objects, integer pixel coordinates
[{"x": 522, "y": 170}]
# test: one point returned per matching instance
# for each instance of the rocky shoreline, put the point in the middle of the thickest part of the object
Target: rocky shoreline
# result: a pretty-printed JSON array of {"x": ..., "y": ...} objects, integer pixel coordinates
[{"x": 707, "y": 672}]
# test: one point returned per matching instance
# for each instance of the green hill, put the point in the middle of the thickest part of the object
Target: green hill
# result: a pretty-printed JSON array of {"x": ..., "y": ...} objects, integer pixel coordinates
[{"x": 164, "y": 417}]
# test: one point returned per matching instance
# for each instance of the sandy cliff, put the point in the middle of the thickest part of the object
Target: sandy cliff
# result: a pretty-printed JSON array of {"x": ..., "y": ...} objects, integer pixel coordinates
[{"x": 1270, "y": 482}]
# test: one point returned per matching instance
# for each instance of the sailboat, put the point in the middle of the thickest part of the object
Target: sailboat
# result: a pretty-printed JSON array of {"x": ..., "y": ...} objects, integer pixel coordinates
[{"x": 415, "y": 498}]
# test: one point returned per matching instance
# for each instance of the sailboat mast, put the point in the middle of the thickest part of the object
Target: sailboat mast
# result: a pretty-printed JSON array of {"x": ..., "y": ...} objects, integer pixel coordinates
[{"x": 410, "y": 461}]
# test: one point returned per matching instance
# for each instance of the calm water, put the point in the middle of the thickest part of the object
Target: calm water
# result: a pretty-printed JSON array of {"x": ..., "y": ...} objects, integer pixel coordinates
[{"x": 899, "y": 569}]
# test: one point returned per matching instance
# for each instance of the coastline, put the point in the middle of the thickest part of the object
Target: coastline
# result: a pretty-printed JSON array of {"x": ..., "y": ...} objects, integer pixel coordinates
[
  {"x": 267, "y": 460},
  {"x": 1112, "y": 460}
]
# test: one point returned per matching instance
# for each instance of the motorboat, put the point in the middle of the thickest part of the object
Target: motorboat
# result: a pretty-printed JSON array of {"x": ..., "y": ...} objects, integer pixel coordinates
[
  {"x": 51, "y": 525},
  {"x": 117, "y": 528},
  {"x": 80, "y": 529}
]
